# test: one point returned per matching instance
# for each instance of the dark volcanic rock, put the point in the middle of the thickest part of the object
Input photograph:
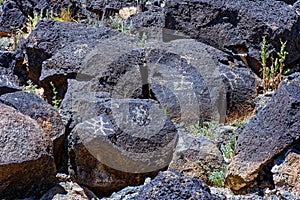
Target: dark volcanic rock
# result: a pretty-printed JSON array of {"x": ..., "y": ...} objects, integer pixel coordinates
[
  {"x": 231, "y": 26},
  {"x": 15, "y": 13},
  {"x": 26, "y": 160},
  {"x": 174, "y": 185},
  {"x": 196, "y": 82},
  {"x": 73, "y": 39},
  {"x": 125, "y": 141},
  {"x": 45, "y": 115},
  {"x": 195, "y": 156},
  {"x": 274, "y": 128},
  {"x": 99, "y": 6},
  {"x": 11, "y": 17},
  {"x": 241, "y": 90},
  {"x": 8, "y": 81}
]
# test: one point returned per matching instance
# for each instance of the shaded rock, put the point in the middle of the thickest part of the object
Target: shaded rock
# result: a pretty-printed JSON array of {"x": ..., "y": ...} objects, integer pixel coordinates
[
  {"x": 296, "y": 6},
  {"x": 69, "y": 191},
  {"x": 119, "y": 143},
  {"x": 290, "y": 2},
  {"x": 8, "y": 65},
  {"x": 44, "y": 114},
  {"x": 231, "y": 26},
  {"x": 174, "y": 185},
  {"x": 241, "y": 90},
  {"x": 196, "y": 156},
  {"x": 16, "y": 13},
  {"x": 79, "y": 93},
  {"x": 27, "y": 165},
  {"x": 274, "y": 128},
  {"x": 286, "y": 176},
  {"x": 11, "y": 17}
]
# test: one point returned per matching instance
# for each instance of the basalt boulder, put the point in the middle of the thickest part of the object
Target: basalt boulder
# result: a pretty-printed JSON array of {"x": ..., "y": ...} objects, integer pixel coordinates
[
  {"x": 8, "y": 66},
  {"x": 26, "y": 161},
  {"x": 232, "y": 27},
  {"x": 196, "y": 82},
  {"x": 268, "y": 134},
  {"x": 174, "y": 185},
  {"x": 120, "y": 143},
  {"x": 16, "y": 13},
  {"x": 45, "y": 115}
]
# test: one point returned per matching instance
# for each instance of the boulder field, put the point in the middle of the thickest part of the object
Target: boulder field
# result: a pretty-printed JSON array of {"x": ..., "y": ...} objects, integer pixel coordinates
[{"x": 149, "y": 99}]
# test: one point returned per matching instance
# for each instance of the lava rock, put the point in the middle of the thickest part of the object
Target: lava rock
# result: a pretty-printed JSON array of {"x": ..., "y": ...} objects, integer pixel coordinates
[
  {"x": 125, "y": 141},
  {"x": 241, "y": 90},
  {"x": 11, "y": 17},
  {"x": 184, "y": 78},
  {"x": 286, "y": 175},
  {"x": 8, "y": 66},
  {"x": 174, "y": 185},
  {"x": 99, "y": 6},
  {"x": 191, "y": 79},
  {"x": 27, "y": 165},
  {"x": 195, "y": 156},
  {"x": 266, "y": 135},
  {"x": 44, "y": 114},
  {"x": 232, "y": 27}
]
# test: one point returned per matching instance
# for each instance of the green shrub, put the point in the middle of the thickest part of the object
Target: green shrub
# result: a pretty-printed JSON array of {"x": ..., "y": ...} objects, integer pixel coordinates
[
  {"x": 217, "y": 177},
  {"x": 272, "y": 74}
]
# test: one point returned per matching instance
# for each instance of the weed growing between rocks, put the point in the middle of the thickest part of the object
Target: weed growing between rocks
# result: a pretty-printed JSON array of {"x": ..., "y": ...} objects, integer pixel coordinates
[
  {"x": 55, "y": 100},
  {"x": 207, "y": 129},
  {"x": 272, "y": 74},
  {"x": 118, "y": 23}
]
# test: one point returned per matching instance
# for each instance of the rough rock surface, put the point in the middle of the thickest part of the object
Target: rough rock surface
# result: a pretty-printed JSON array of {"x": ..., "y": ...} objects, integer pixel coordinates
[
  {"x": 286, "y": 176},
  {"x": 202, "y": 83},
  {"x": 15, "y": 13},
  {"x": 11, "y": 17},
  {"x": 195, "y": 156},
  {"x": 274, "y": 128},
  {"x": 231, "y": 26},
  {"x": 181, "y": 79},
  {"x": 67, "y": 43},
  {"x": 124, "y": 141},
  {"x": 44, "y": 114},
  {"x": 26, "y": 160},
  {"x": 174, "y": 185},
  {"x": 241, "y": 89},
  {"x": 98, "y": 7},
  {"x": 8, "y": 81}
]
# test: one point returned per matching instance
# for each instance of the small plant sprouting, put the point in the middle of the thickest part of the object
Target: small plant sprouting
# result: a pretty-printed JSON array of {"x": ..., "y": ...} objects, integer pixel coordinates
[
  {"x": 207, "y": 129},
  {"x": 143, "y": 40},
  {"x": 119, "y": 24},
  {"x": 31, "y": 87},
  {"x": 55, "y": 100},
  {"x": 272, "y": 75},
  {"x": 228, "y": 149},
  {"x": 217, "y": 177}
]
